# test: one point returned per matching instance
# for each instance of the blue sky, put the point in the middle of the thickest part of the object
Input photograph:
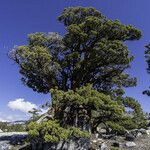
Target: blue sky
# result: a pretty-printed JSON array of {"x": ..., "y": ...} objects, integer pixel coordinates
[{"x": 21, "y": 17}]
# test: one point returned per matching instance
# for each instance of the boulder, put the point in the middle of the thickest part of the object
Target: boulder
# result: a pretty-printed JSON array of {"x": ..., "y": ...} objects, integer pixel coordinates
[
  {"x": 102, "y": 131},
  {"x": 143, "y": 131},
  {"x": 148, "y": 132},
  {"x": 116, "y": 144},
  {"x": 130, "y": 144},
  {"x": 96, "y": 135},
  {"x": 108, "y": 136},
  {"x": 134, "y": 132},
  {"x": 139, "y": 134},
  {"x": 104, "y": 146},
  {"x": 129, "y": 137},
  {"x": 4, "y": 145},
  {"x": 18, "y": 139},
  {"x": 72, "y": 144},
  {"x": 15, "y": 138}
]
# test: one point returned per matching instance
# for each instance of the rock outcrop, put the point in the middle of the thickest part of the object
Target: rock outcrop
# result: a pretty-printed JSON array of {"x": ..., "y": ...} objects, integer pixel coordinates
[{"x": 9, "y": 139}]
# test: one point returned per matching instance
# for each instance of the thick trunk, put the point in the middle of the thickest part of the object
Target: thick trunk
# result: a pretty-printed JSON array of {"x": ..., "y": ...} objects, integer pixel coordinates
[
  {"x": 94, "y": 129},
  {"x": 45, "y": 117}
]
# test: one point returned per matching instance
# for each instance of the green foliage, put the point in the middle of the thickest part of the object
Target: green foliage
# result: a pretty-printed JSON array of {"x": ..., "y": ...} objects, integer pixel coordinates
[
  {"x": 34, "y": 114},
  {"x": 85, "y": 106},
  {"x": 77, "y": 132},
  {"x": 116, "y": 127},
  {"x": 147, "y": 56},
  {"x": 5, "y": 126},
  {"x": 47, "y": 132},
  {"x": 34, "y": 61},
  {"x": 138, "y": 117},
  {"x": 51, "y": 131},
  {"x": 92, "y": 51},
  {"x": 129, "y": 123},
  {"x": 85, "y": 71}
]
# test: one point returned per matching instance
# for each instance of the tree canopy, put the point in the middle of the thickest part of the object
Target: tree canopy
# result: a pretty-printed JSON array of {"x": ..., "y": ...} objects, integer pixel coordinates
[
  {"x": 91, "y": 51},
  {"x": 84, "y": 70}
]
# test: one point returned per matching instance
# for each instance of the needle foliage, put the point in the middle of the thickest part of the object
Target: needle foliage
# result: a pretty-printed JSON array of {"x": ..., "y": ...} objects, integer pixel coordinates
[{"x": 85, "y": 72}]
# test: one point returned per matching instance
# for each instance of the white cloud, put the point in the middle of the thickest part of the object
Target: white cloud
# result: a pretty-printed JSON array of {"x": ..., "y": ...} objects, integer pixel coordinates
[
  {"x": 3, "y": 120},
  {"x": 22, "y": 105}
]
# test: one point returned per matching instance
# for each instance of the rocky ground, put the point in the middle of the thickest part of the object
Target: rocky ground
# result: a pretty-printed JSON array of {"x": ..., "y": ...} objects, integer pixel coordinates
[
  {"x": 138, "y": 139},
  {"x": 12, "y": 140},
  {"x": 142, "y": 143}
]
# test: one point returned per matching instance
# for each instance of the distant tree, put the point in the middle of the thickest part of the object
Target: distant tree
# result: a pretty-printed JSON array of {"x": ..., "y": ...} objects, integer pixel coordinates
[
  {"x": 7, "y": 127},
  {"x": 84, "y": 70},
  {"x": 35, "y": 113},
  {"x": 147, "y": 56}
]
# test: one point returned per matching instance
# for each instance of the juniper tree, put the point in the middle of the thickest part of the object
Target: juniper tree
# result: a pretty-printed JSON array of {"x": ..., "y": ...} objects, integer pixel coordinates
[{"x": 92, "y": 51}]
